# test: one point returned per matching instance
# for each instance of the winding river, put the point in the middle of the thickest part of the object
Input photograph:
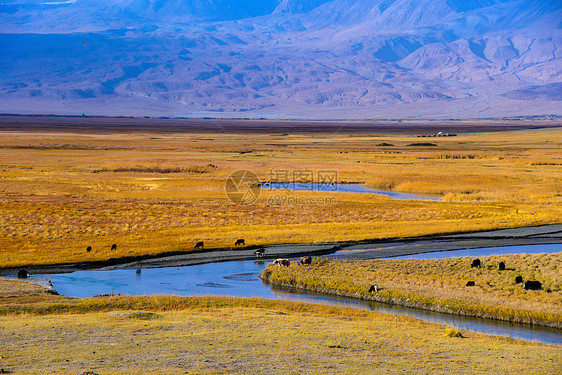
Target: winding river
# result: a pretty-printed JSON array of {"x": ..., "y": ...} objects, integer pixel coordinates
[
  {"x": 241, "y": 279},
  {"x": 343, "y": 188}
]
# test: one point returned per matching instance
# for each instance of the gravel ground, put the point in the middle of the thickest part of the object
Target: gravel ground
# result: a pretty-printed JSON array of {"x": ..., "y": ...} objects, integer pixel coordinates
[{"x": 546, "y": 234}]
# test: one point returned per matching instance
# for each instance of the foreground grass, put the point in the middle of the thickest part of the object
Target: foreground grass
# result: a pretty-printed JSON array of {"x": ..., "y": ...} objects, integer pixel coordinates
[
  {"x": 439, "y": 284},
  {"x": 149, "y": 193},
  {"x": 168, "y": 335}
]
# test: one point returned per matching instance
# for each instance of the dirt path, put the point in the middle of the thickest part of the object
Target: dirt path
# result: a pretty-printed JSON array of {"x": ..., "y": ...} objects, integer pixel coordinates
[{"x": 546, "y": 234}]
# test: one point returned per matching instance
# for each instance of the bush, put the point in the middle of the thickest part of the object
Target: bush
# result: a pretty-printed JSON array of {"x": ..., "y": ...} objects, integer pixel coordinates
[
  {"x": 422, "y": 144},
  {"x": 453, "y": 333}
]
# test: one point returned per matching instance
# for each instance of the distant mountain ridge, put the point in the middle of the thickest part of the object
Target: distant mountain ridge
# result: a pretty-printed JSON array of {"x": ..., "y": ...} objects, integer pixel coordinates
[{"x": 282, "y": 58}]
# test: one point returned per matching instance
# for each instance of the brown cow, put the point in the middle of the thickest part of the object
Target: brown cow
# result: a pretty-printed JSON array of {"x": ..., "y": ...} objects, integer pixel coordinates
[
  {"x": 303, "y": 261},
  {"x": 282, "y": 262}
]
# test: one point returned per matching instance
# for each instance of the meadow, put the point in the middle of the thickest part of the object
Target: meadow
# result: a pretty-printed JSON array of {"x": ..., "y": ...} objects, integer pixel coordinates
[
  {"x": 152, "y": 191},
  {"x": 44, "y": 333},
  {"x": 440, "y": 284}
]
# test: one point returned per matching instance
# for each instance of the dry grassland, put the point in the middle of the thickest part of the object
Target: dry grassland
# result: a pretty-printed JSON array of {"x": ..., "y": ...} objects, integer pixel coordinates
[
  {"x": 152, "y": 192},
  {"x": 440, "y": 284},
  {"x": 213, "y": 335}
]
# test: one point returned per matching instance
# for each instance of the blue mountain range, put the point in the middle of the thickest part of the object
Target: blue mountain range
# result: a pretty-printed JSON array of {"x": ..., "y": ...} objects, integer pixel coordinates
[{"x": 339, "y": 59}]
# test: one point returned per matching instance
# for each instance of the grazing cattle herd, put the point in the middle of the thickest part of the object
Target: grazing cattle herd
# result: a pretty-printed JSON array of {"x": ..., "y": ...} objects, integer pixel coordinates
[
  {"x": 303, "y": 261},
  {"x": 307, "y": 260},
  {"x": 527, "y": 285}
]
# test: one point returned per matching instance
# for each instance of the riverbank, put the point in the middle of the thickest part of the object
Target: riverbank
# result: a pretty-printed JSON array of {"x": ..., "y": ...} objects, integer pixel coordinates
[
  {"x": 155, "y": 191},
  {"x": 546, "y": 234},
  {"x": 169, "y": 334},
  {"x": 440, "y": 285}
]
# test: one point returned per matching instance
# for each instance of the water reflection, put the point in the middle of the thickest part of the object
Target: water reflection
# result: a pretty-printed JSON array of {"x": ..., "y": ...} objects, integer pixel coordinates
[
  {"x": 487, "y": 251},
  {"x": 343, "y": 188},
  {"x": 240, "y": 279}
]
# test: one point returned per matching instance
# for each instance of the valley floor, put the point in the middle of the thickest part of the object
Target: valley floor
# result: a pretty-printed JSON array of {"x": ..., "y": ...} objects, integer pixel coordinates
[
  {"x": 205, "y": 335},
  {"x": 546, "y": 234},
  {"x": 159, "y": 186}
]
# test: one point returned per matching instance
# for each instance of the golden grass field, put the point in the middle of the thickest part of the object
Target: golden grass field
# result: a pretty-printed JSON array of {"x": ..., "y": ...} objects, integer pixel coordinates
[
  {"x": 440, "y": 284},
  {"x": 64, "y": 190},
  {"x": 42, "y": 333},
  {"x": 152, "y": 191}
]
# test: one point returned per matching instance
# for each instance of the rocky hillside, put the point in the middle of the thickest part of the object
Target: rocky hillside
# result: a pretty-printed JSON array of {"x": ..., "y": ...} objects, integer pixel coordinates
[{"x": 282, "y": 58}]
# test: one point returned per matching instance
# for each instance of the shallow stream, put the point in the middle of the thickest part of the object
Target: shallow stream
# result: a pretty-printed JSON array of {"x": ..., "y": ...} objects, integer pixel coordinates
[
  {"x": 343, "y": 188},
  {"x": 241, "y": 279}
]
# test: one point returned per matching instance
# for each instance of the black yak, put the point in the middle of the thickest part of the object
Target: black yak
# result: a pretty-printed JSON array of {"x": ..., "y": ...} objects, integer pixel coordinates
[
  {"x": 532, "y": 285},
  {"x": 22, "y": 274}
]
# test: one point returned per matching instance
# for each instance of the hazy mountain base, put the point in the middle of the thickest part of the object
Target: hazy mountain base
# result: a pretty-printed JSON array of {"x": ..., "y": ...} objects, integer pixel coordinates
[
  {"x": 137, "y": 107},
  {"x": 338, "y": 59}
]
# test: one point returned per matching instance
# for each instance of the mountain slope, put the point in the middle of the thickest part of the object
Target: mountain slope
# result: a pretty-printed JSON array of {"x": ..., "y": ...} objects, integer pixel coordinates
[{"x": 282, "y": 58}]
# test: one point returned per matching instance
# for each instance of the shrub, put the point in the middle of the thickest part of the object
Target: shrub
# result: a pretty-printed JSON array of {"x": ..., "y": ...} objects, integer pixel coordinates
[
  {"x": 453, "y": 333},
  {"x": 422, "y": 144}
]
